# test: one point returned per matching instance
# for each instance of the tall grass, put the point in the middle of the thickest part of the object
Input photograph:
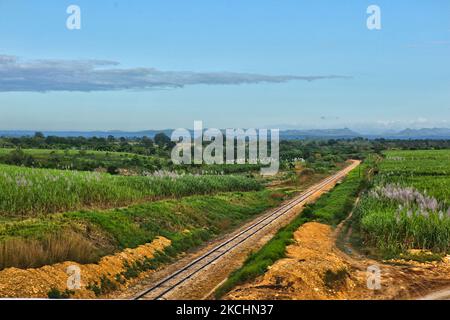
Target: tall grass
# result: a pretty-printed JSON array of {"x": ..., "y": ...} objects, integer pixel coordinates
[
  {"x": 333, "y": 207},
  {"x": 56, "y": 247},
  {"x": 409, "y": 205},
  {"x": 30, "y": 192},
  {"x": 396, "y": 219}
]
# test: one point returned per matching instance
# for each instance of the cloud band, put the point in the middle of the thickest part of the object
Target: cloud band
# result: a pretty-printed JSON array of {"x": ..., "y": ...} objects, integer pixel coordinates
[{"x": 101, "y": 75}]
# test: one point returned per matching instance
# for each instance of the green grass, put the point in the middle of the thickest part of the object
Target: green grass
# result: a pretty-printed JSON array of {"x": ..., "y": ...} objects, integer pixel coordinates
[
  {"x": 393, "y": 231},
  {"x": 187, "y": 222},
  {"x": 28, "y": 192},
  {"x": 417, "y": 162},
  {"x": 331, "y": 208},
  {"x": 393, "y": 224},
  {"x": 140, "y": 224}
]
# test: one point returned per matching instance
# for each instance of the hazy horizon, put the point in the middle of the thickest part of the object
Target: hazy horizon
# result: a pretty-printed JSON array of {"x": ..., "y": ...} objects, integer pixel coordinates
[{"x": 368, "y": 132}]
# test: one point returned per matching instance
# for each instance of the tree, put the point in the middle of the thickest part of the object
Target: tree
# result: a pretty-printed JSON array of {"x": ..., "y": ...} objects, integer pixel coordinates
[
  {"x": 39, "y": 135},
  {"x": 162, "y": 140},
  {"x": 147, "y": 142},
  {"x": 112, "y": 169},
  {"x": 19, "y": 158}
]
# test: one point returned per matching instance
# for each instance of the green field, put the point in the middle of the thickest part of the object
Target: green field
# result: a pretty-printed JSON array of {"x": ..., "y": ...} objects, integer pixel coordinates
[
  {"x": 408, "y": 205},
  {"x": 52, "y": 215},
  {"x": 59, "y": 205},
  {"x": 417, "y": 162},
  {"x": 28, "y": 192}
]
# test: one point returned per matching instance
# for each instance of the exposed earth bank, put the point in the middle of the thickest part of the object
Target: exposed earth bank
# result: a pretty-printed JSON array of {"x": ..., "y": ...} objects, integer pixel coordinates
[
  {"x": 37, "y": 282},
  {"x": 315, "y": 268}
]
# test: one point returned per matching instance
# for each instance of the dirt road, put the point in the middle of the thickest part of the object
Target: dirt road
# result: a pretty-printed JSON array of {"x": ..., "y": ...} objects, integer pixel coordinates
[
  {"x": 316, "y": 269},
  {"x": 197, "y": 275}
]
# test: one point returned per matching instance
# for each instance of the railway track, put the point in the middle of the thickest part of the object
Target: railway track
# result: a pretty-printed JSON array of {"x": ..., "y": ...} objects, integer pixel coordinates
[{"x": 158, "y": 290}]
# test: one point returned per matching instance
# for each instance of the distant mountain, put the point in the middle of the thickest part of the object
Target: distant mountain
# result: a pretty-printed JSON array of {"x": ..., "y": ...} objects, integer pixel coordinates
[
  {"x": 287, "y": 134},
  {"x": 425, "y": 133},
  {"x": 87, "y": 134},
  {"x": 319, "y": 133},
  {"x": 345, "y": 133}
]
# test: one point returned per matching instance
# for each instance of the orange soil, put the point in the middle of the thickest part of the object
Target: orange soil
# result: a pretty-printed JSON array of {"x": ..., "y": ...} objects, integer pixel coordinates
[
  {"x": 301, "y": 275},
  {"x": 36, "y": 283}
]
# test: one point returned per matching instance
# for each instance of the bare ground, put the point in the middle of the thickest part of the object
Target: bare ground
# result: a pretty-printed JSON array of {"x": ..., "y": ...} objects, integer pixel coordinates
[{"x": 302, "y": 274}]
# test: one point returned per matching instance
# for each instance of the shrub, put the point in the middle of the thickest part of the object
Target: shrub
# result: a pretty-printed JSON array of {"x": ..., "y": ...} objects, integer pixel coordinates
[
  {"x": 335, "y": 279},
  {"x": 55, "y": 293}
]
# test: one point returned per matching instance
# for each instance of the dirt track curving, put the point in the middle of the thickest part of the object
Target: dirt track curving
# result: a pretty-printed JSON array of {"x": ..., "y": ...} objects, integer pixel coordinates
[{"x": 302, "y": 274}]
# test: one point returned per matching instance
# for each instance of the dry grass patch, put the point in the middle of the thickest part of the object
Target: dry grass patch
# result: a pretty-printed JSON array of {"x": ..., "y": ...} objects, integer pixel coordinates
[{"x": 61, "y": 246}]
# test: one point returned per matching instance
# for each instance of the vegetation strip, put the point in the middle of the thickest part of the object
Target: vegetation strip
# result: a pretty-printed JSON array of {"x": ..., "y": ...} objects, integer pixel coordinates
[{"x": 29, "y": 192}]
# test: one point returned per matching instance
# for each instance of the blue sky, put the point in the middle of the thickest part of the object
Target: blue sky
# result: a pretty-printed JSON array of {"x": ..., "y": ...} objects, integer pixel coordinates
[{"x": 229, "y": 63}]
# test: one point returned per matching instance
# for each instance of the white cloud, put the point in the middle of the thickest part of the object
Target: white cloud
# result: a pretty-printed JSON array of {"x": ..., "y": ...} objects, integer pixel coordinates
[{"x": 102, "y": 75}]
